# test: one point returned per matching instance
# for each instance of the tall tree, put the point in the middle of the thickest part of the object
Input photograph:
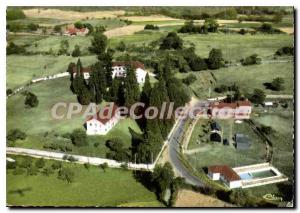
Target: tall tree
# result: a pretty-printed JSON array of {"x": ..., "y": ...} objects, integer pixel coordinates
[
  {"x": 215, "y": 59},
  {"x": 99, "y": 43},
  {"x": 132, "y": 90},
  {"x": 145, "y": 95}
]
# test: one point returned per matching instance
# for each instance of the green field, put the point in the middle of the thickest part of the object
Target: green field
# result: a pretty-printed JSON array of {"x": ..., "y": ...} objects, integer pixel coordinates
[
  {"x": 214, "y": 153},
  {"x": 246, "y": 77},
  {"x": 42, "y": 21},
  {"x": 53, "y": 42},
  {"x": 92, "y": 187},
  {"x": 21, "y": 69},
  {"x": 109, "y": 23},
  {"x": 282, "y": 138},
  {"x": 25, "y": 39},
  {"x": 37, "y": 121},
  {"x": 236, "y": 47}
]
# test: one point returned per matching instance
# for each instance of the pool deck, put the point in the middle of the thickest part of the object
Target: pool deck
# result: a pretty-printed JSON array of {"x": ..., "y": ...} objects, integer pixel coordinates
[{"x": 247, "y": 183}]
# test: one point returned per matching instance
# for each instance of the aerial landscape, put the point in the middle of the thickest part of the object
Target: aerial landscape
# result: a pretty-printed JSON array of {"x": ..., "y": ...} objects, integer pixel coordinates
[{"x": 150, "y": 107}]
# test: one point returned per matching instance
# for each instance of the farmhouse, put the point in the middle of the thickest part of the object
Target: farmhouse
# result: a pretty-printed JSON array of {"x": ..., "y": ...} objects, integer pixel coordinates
[
  {"x": 236, "y": 110},
  {"x": 103, "y": 121},
  {"x": 118, "y": 70},
  {"x": 226, "y": 174},
  {"x": 72, "y": 31}
]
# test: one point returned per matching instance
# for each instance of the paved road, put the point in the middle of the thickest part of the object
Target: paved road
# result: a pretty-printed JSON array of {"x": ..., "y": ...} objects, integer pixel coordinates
[{"x": 174, "y": 149}]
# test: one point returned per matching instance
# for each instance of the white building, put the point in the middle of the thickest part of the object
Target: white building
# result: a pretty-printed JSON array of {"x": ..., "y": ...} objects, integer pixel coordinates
[
  {"x": 119, "y": 70},
  {"x": 103, "y": 121},
  {"x": 236, "y": 110},
  {"x": 225, "y": 174}
]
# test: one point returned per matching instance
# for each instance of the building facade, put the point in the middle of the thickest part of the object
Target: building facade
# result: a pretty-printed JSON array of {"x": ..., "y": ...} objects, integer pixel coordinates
[
  {"x": 103, "y": 121},
  {"x": 226, "y": 175}
]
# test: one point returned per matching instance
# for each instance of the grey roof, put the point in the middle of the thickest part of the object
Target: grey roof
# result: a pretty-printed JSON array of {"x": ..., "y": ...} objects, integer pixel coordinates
[
  {"x": 215, "y": 126},
  {"x": 242, "y": 139}
]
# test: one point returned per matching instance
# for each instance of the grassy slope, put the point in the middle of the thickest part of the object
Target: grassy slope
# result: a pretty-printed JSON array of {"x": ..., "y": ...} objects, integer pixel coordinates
[
  {"x": 246, "y": 77},
  {"x": 36, "y": 121},
  {"x": 91, "y": 187},
  {"x": 21, "y": 69},
  {"x": 236, "y": 47}
]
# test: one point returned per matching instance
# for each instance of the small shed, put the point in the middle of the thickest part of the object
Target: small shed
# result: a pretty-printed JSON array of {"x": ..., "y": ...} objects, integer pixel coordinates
[
  {"x": 216, "y": 137},
  {"x": 242, "y": 142},
  {"x": 215, "y": 127}
]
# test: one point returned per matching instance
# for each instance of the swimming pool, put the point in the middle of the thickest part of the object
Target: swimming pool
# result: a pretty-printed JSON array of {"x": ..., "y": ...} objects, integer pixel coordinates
[{"x": 260, "y": 174}]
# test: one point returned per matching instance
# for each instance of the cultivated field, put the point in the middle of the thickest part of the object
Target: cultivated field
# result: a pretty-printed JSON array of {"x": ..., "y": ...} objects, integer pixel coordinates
[
  {"x": 187, "y": 198},
  {"x": 62, "y": 14},
  {"x": 91, "y": 187}
]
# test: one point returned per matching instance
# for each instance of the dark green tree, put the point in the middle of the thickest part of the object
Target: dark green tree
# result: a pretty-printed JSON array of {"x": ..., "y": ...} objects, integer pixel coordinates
[
  {"x": 145, "y": 94},
  {"x": 31, "y": 100},
  {"x": 171, "y": 41},
  {"x": 79, "y": 138},
  {"x": 76, "y": 52},
  {"x": 99, "y": 43},
  {"x": 258, "y": 96},
  {"x": 40, "y": 163},
  {"x": 66, "y": 174},
  {"x": 131, "y": 87},
  {"x": 215, "y": 59}
]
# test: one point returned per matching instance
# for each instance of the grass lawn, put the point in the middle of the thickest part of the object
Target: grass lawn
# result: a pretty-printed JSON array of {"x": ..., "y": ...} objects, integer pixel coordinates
[
  {"x": 236, "y": 47},
  {"x": 37, "y": 121},
  {"x": 21, "y": 69},
  {"x": 42, "y": 21},
  {"x": 53, "y": 42},
  {"x": 24, "y": 39},
  {"x": 214, "y": 153},
  {"x": 92, "y": 187},
  {"x": 282, "y": 123},
  {"x": 246, "y": 77}
]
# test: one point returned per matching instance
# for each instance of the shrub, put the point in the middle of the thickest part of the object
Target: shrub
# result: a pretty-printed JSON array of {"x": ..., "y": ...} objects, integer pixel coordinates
[
  {"x": 10, "y": 165},
  {"x": 258, "y": 96},
  {"x": 285, "y": 51},
  {"x": 16, "y": 134},
  {"x": 267, "y": 28},
  {"x": 151, "y": 27},
  {"x": 78, "y": 25},
  {"x": 57, "y": 28},
  {"x": 189, "y": 79},
  {"x": 48, "y": 171},
  {"x": 31, "y": 100},
  {"x": 14, "y": 14},
  {"x": 18, "y": 171},
  {"x": 222, "y": 88},
  {"x": 79, "y": 137},
  {"x": 66, "y": 174},
  {"x": 86, "y": 165},
  {"x": 12, "y": 48},
  {"x": 250, "y": 60},
  {"x": 76, "y": 52},
  {"x": 8, "y": 92},
  {"x": 171, "y": 41},
  {"x": 114, "y": 144},
  {"x": 40, "y": 163},
  {"x": 56, "y": 165},
  {"x": 277, "y": 84},
  {"x": 198, "y": 64},
  {"x": 32, "y": 170},
  {"x": 33, "y": 27},
  {"x": 215, "y": 59},
  {"x": 25, "y": 163},
  {"x": 266, "y": 129}
]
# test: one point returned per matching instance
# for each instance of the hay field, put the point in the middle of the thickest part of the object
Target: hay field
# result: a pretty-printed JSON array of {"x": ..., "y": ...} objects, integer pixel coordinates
[
  {"x": 54, "y": 13},
  {"x": 123, "y": 31}
]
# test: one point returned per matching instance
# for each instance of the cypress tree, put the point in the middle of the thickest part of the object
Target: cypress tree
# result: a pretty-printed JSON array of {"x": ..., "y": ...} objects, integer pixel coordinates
[
  {"x": 132, "y": 90},
  {"x": 145, "y": 95}
]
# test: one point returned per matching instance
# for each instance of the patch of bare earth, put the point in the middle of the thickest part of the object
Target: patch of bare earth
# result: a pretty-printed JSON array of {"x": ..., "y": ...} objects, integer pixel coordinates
[
  {"x": 188, "y": 198},
  {"x": 56, "y": 13},
  {"x": 122, "y": 31},
  {"x": 289, "y": 30}
]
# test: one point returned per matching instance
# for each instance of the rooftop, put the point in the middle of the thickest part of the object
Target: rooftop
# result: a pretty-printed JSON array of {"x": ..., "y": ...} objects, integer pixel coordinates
[
  {"x": 133, "y": 64},
  {"x": 105, "y": 114},
  {"x": 226, "y": 171}
]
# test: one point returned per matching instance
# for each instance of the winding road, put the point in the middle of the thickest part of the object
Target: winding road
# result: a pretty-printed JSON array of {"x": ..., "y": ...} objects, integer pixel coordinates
[{"x": 174, "y": 153}]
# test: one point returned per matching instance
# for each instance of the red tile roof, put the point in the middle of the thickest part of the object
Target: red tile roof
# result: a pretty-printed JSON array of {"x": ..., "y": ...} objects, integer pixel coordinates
[
  {"x": 226, "y": 171},
  {"x": 230, "y": 105},
  {"x": 75, "y": 30},
  {"x": 134, "y": 64},
  {"x": 107, "y": 113}
]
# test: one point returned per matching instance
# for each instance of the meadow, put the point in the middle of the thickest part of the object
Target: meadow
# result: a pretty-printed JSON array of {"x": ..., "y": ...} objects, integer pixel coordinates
[
  {"x": 21, "y": 69},
  {"x": 214, "y": 153},
  {"x": 91, "y": 187}
]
